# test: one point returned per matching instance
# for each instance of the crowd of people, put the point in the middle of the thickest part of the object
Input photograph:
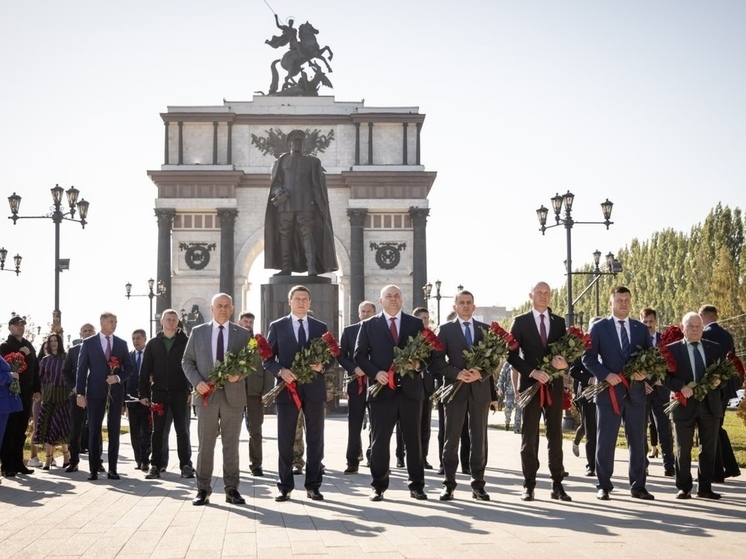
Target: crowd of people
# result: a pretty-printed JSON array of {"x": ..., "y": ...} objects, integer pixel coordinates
[{"x": 162, "y": 381}]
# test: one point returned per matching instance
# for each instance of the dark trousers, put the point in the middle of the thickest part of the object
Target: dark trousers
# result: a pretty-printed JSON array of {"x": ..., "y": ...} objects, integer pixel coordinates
[
  {"x": 608, "y": 423},
  {"x": 530, "y": 436},
  {"x": 175, "y": 405},
  {"x": 355, "y": 418},
  {"x": 588, "y": 423},
  {"x": 662, "y": 421},
  {"x": 11, "y": 452},
  {"x": 726, "y": 464},
  {"x": 254, "y": 418},
  {"x": 96, "y": 412},
  {"x": 287, "y": 420},
  {"x": 383, "y": 417},
  {"x": 471, "y": 415},
  {"x": 140, "y": 432},
  {"x": 707, "y": 425},
  {"x": 465, "y": 441}
]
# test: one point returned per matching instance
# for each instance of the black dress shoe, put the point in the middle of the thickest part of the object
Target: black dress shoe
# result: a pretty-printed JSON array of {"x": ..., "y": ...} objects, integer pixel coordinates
[
  {"x": 101, "y": 469},
  {"x": 351, "y": 470},
  {"x": 418, "y": 494},
  {"x": 427, "y": 465},
  {"x": 708, "y": 495},
  {"x": 282, "y": 496},
  {"x": 602, "y": 495},
  {"x": 377, "y": 495},
  {"x": 641, "y": 493},
  {"x": 669, "y": 472},
  {"x": 314, "y": 494},
  {"x": 93, "y": 476},
  {"x": 399, "y": 462},
  {"x": 565, "y": 474},
  {"x": 589, "y": 472},
  {"x": 558, "y": 493},
  {"x": 25, "y": 471},
  {"x": 9, "y": 473},
  {"x": 446, "y": 495},
  {"x": 72, "y": 467},
  {"x": 202, "y": 498},
  {"x": 113, "y": 475},
  {"x": 480, "y": 495},
  {"x": 257, "y": 472},
  {"x": 683, "y": 494},
  {"x": 297, "y": 470},
  {"x": 527, "y": 495},
  {"x": 441, "y": 471},
  {"x": 466, "y": 470},
  {"x": 234, "y": 497}
]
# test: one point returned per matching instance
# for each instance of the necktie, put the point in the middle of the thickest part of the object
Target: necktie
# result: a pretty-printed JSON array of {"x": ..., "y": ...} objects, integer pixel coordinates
[
  {"x": 392, "y": 328},
  {"x": 542, "y": 330},
  {"x": 624, "y": 337},
  {"x": 220, "y": 350},
  {"x": 138, "y": 361},
  {"x": 699, "y": 364},
  {"x": 467, "y": 334},
  {"x": 301, "y": 333},
  {"x": 108, "y": 348}
]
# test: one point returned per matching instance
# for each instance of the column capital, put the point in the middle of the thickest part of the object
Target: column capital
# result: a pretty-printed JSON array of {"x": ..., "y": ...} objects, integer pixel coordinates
[
  {"x": 227, "y": 216},
  {"x": 357, "y": 215},
  {"x": 165, "y": 216},
  {"x": 419, "y": 215}
]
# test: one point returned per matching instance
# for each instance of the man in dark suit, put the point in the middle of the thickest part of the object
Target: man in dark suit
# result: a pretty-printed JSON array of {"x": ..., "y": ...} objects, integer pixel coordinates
[
  {"x": 356, "y": 389},
  {"x": 374, "y": 354},
  {"x": 219, "y": 412},
  {"x": 658, "y": 397},
  {"x": 471, "y": 403},
  {"x": 100, "y": 389},
  {"x": 726, "y": 464},
  {"x": 138, "y": 415},
  {"x": 78, "y": 429},
  {"x": 287, "y": 336},
  {"x": 535, "y": 331},
  {"x": 693, "y": 355},
  {"x": 613, "y": 340}
]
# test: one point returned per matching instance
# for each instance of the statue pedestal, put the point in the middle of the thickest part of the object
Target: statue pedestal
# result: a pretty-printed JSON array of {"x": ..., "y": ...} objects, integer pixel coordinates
[{"x": 324, "y": 299}]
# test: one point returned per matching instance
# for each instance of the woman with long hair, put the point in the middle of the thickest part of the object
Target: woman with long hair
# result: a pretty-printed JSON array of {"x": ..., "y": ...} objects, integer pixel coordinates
[{"x": 54, "y": 419}]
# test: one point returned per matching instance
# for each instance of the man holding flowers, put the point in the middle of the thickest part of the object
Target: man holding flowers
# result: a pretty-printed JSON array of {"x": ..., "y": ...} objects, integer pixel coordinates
[
  {"x": 292, "y": 338},
  {"x": 535, "y": 331},
  {"x": 221, "y": 402},
  {"x": 398, "y": 394},
  {"x": 471, "y": 400}
]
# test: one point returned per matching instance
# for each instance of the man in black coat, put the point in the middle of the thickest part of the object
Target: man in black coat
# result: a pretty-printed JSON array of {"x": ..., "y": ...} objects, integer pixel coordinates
[
  {"x": 374, "y": 354},
  {"x": 78, "y": 415}
]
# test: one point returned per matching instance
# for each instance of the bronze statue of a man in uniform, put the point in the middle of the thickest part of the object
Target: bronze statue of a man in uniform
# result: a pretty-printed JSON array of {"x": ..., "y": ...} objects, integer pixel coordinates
[{"x": 298, "y": 235}]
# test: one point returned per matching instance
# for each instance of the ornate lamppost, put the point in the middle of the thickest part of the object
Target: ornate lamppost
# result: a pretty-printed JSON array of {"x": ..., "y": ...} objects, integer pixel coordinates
[
  {"x": 613, "y": 267},
  {"x": 428, "y": 291},
  {"x": 159, "y": 292},
  {"x": 16, "y": 260},
  {"x": 57, "y": 216},
  {"x": 566, "y": 201}
]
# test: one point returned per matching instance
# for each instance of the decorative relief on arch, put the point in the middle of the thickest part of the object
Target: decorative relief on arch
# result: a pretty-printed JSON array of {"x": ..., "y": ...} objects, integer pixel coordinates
[
  {"x": 388, "y": 255},
  {"x": 197, "y": 255},
  {"x": 275, "y": 142}
]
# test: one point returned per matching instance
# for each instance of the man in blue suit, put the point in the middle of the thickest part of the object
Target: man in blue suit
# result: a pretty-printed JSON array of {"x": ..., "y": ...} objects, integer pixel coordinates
[
  {"x": 693, "y": 355},
  {"x": 287, "y": 336},
  {"x": 374, "y": 354},
  {"x": 103, "y": 365},
  {"x": 613, "y": 341}
]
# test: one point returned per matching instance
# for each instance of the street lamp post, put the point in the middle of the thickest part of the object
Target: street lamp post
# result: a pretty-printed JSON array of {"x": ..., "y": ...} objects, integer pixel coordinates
[
  {"x": 428, "y": 291},
  {"x": 160, "y": 291},
  {"x": 613, "y": 267},
  {"x": 566, "y": 201},
  {"x": 16, "y": 260},
  {"x": 57, "y": 216}
]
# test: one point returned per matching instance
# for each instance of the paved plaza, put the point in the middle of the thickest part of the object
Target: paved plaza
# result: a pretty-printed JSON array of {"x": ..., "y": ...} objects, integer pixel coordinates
[{"x": 51, "y": 513}]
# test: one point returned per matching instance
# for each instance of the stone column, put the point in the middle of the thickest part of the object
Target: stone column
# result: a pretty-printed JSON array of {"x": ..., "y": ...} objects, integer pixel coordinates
[
  {"x": 165, "y": 217},
  {"x": 165, "y": 145},
  {"x": 417, "y": 150},
  {"x": 419, "y": 254},
  {"x": 214, "y": 143},
  {"x": 357, "y": 261},
  {"x": 181, "y": 143},
  {"x": 357, "y": 143},
  {"x": 370, "y": 143},
  {"x": 227, "y": 218},
  {"x": 230, "y": 144},
  {"x": 404, "y": 144}
]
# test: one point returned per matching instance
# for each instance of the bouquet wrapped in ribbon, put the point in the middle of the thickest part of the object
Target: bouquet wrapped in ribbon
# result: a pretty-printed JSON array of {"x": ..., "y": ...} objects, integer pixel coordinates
[
  {"x": 653, "y": 362},
  {"x": 408, "y": 358},
  {"x": 570, "y": 347},
  {"x": 485, "y": 356},
  {"x": 318, "y": 352},
  {"x": 246, "y": 362},
  {"x": 17, "y": 363},
  {"x": 717, "y": 373}
]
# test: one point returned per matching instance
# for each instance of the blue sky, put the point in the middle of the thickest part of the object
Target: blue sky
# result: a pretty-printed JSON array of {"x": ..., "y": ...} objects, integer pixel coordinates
[{"x": 640, "y": 102}]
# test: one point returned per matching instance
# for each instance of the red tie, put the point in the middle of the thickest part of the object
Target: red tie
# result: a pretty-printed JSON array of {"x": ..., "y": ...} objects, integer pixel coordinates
[
  {"x": 542, "y": 330},
  {"x": 392, "y": 328},
  {"x": 108, "y": 347}
]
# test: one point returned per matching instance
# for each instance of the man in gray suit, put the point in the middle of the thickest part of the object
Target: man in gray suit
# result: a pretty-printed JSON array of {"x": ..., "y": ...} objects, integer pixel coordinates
[{"x": 219, "y": 410}]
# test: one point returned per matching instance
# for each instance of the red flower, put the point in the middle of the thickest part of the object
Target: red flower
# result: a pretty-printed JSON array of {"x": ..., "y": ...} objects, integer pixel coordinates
[
  {"x": 113, "y": 363},
  {"x": 507, "y": 337},
  {"x": 157, "y": 409},
  {"x": 332, "y": 343},
  {"x": 668, "y": 356},
  {"x": 263, "y": 347},
  {"x": 671, "y": 335},
  {"x": 17, "y": 362},
  {"x": 432, "y": 340},
  {"x": 578, "y": 333},
  {"x": 736, "y": 362}
]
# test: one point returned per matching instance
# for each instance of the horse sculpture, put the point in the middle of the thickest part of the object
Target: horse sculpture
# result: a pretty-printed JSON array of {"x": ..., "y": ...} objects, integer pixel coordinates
[{"x": 305, "y": 50}]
